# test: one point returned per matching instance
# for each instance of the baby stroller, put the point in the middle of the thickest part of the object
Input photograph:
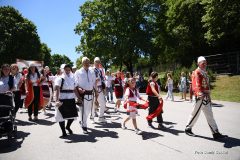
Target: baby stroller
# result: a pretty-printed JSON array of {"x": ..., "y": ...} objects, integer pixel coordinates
[{"x": 8, "y": 127}]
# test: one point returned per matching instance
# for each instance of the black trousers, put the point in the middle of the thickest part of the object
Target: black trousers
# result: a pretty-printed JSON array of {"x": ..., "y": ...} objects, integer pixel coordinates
[
  {"x": 17, "y": 100},
  {"x": 153, "y": 104},
  {"x": 35, "y": 102}
]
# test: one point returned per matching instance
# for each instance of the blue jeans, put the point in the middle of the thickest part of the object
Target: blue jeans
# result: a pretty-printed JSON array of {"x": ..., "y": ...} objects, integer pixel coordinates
[{"x": 109, "y": 90}]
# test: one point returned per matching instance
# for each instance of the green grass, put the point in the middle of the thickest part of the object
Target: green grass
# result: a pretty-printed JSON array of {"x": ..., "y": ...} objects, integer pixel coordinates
[{"x": 226, "y": 88}]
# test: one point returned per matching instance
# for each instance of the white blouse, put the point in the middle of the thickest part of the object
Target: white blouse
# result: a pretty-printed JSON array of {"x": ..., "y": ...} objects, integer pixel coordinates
[
  {"x": 4, "y": 87},
  {"x": 135, "y": 97},
  {"x": 69, "y": 84},
  {"x": 17, "y": 79}
]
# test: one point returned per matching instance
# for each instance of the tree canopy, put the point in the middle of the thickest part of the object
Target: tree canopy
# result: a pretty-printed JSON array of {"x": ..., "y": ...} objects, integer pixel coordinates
[
  {"x": 161, "y": 31},
  {"x": 18, "y": 37}
]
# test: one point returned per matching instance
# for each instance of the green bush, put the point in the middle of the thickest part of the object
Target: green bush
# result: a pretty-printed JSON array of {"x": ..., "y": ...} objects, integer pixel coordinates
[{"x": 176, "y": 74}]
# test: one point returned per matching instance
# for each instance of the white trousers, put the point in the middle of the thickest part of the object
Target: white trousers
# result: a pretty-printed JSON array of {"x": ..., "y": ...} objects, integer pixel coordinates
[
  {"x": 205, "y": 106},
  {"x": 85, "y": 110},
  {"x": 102, "y": 103}
]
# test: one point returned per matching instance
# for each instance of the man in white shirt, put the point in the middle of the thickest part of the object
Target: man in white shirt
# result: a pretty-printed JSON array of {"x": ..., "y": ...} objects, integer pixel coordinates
[
  {"x": 100, "y": 87},
  {"x": 85, "y": 81}
]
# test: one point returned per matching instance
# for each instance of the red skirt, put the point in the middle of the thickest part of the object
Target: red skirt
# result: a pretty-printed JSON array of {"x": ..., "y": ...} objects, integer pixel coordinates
[{"x": 118, "y": 92}]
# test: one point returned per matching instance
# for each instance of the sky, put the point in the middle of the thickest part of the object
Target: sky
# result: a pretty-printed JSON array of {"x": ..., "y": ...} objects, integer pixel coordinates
[{"x": 55, "y": 21}]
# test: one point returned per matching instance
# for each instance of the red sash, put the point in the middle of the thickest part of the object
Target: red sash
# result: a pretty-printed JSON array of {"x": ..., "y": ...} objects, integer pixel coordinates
[
  {"x": 137, "y": 105},
  {"x": 156, "y": 112}
]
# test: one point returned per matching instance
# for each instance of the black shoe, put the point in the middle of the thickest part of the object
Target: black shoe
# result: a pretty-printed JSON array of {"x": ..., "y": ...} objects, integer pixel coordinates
[
  {"x": 30, "y": 119},
  {"x": 189, "y": 132},
  {"x": 85, "y": 130},
  {"x": 150, "y": 125},
  {"x": 161, "y": 126},
  {"x": 63, "y": 135},
  {"x": 69, "y": 130},
  {"x": 218, "y": 136}
]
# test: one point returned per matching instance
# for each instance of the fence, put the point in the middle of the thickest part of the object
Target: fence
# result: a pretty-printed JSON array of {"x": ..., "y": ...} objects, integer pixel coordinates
[{"x": 226, "y": 63}]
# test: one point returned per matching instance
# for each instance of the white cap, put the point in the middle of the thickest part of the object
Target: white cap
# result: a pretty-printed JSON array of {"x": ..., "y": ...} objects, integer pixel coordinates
[
  {"x": 62, "y": 66},
  {"x": 74, "y": 66},
  {"x": 84, "y": 59},
  {"x": 32, "y": 64},
  {"x": 200, "y": 59},
  {"x": 96, "y": 59}
]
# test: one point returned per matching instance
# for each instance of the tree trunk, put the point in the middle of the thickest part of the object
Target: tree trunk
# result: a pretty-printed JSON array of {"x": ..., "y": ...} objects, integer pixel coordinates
[{"x": 129, "y": 66}]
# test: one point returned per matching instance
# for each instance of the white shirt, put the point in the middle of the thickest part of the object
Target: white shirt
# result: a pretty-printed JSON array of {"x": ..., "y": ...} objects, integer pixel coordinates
[
  {"x": 135, "y": 97},
  {"x": 170, "y": 81},
  {"x": 4, "y": 87},
  {"x": 109, "y": 80},
  {"x": 85, "y": 79},
  {"x": 34, "y": 78},
  {"x": 69, "y": 84},
  {"x": 98, "y": 72},
  {"x": 17, "y": 79}
]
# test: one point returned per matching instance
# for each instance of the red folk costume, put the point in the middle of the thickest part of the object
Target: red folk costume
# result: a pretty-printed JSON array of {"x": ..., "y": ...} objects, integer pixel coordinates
[
  {"x": 159, "y": 108},
  {"x": 200, "y": 83},
  {"x": 118, "y": 89},
  {"x": 149, "y": 89},
  {"x": 30, "y": 95},
  {"x": 133, "y": 103}
]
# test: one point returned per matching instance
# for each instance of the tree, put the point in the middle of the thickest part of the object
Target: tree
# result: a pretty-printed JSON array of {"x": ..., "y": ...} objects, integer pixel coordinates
[
  {"x": 186, "y": 34},
  {"x": 18, "y": 37},
  {"x": 113, "y": 30},
  {"x": 58, "y": 59},
  {"x": 222, "y": 22},
  {"x": 46, "y": 54},
  {"x": 79, "y": 62}
]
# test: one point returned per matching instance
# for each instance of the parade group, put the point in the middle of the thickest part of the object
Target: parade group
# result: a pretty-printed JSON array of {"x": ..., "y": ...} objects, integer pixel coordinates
[{"x": 83, "y": 93}]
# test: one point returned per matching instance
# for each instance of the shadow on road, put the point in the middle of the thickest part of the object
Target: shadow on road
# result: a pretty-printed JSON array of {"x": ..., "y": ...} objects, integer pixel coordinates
[
  {"x": 49, "y": 115},
  {"x": 39, "y": 121},
  {"x": 172, "y": 130},
  {"x": 150, "y": 135},
  {"x": 92, "y": 136},
  {"x": 13, "y": 144},
  {"x": 44, "y": 122},
  {"x": 108, "y": 125},
  {"x": 169, "y": 123},
  {"x": 24, "y": 123},
  {"x": 217, "y": 105},
  {"x": 229, "y": 142}
]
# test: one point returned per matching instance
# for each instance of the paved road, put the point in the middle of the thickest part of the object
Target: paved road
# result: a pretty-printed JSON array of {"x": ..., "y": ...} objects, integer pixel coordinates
[{"x": 40, "y": 141}]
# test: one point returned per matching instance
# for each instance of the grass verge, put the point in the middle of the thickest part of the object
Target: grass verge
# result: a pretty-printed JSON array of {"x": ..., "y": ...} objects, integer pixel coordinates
[{"x": 226, "y": 88}]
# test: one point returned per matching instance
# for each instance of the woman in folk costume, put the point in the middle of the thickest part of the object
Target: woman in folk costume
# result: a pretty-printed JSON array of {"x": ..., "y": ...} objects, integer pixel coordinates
[
  {"x": 118, "y": 89},
  {"x": 131, "y": 95},
  {"x": 65, "y": 100},
  {"x": 47, "y": 89},
  {"x": 34, "y": 95},
  {"x": 155, "y": 101}
]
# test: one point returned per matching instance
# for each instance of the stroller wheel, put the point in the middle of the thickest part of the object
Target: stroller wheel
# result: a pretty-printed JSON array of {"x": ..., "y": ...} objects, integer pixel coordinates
[{"x": 9, "y": 136}]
